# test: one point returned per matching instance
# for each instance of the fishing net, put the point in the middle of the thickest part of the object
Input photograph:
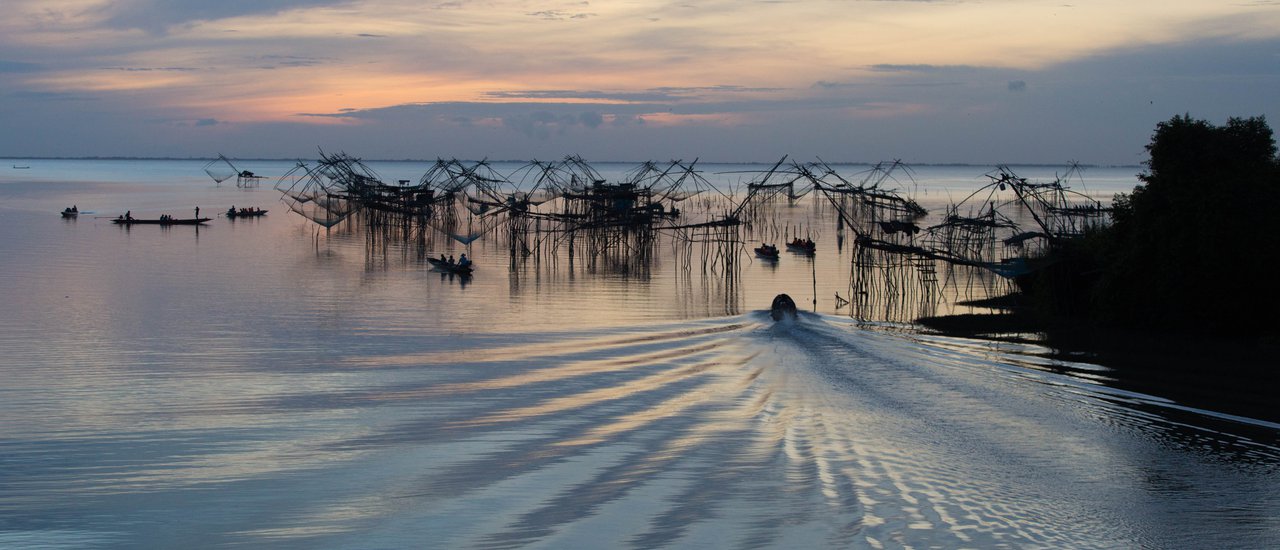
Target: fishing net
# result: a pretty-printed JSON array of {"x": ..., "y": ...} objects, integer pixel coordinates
[
  {"x": 324, "y": 211},
  {"x": 220, "y": 169}
]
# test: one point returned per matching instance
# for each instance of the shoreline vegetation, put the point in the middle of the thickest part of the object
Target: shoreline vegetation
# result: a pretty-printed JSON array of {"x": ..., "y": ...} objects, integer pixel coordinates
[{"x": 1178, "y": 292}]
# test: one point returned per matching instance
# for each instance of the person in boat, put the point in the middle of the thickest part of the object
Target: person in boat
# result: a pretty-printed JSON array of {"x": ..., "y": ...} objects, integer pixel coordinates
[
  {"x": 231, "y": 211},
  {"x": 443, "y": 260},
  {"x": 128, "y": 214},
  {"x": 75, "y": 209},
  {"x": 197, "y": 212},
  {"x": 463, "y": 261},
  {"x": 451, "y": 262}
]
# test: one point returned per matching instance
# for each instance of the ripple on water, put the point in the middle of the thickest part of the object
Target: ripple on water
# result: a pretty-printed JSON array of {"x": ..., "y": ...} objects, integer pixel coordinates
[{"x": 726, "y": 432}]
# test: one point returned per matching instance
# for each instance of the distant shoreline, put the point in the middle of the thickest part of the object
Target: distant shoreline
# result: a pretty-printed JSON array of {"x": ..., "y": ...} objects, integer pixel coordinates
[{"x": 761, "y": 163}]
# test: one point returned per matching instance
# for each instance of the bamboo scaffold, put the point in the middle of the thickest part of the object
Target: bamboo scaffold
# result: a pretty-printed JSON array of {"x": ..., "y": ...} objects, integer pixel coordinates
[
  {"x": 1011, "y": 220},
  {"x": 222, "y": 169}
]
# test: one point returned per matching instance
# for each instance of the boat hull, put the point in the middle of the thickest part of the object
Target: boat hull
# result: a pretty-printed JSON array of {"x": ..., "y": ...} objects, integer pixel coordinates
[
  {"x": 770, "y": 253},
  {"x": 783, "y": 307},
  {"x": 801, "y": 249},
  {"x": 451, "y": 268},
  {"x": 181, "y": 221}
]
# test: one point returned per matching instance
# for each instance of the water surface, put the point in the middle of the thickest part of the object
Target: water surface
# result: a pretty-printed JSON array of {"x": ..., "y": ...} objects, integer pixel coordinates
[{"x": 263, "y": 383}]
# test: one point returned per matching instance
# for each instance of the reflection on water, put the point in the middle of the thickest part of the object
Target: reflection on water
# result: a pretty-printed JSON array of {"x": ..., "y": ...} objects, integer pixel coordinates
[{"x": 260, "y": 383}]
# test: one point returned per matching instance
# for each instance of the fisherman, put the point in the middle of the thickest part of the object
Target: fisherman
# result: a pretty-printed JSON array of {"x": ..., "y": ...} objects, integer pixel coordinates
[
  {"x": 451, "y": 262},
  {"x": 197, "y": 212},
  {"x": 463, "y": 261},
  {"x": 128, "y": 214},
  {"x": 75, "y": 208}
]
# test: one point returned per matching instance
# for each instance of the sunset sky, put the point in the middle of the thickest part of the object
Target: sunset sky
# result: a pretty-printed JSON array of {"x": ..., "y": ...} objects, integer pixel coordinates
[{"x": 994, "y": 81}]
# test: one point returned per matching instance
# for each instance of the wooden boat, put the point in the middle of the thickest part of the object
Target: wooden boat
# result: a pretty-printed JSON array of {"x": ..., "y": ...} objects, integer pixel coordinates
[
  {"x": 896, "y": 226},
  {"x": 69, "y": 213},
  {"x": 169, "y": 221},
  {"x": 455, "y": 268},
  {"x": 783, "y": 307},
  {"x": 803, "y": 246},
  {"x": 767, "y": 251},
  {"x": 242, "y": 213}
]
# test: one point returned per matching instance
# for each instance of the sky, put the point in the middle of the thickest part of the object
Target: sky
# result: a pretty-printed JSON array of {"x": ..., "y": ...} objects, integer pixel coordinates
[{"x": 984, "y": 81}]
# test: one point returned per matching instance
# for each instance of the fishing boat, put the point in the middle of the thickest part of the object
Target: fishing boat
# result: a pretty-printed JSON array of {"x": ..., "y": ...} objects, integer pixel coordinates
[
  {"x": 160, "y": 221},
  {"x": 802, "y": 246},
  {"x": 783, "y": 307},
  {"x": 767, "y": 251},
  {"x": 244, "y": 213},
  {"x": 70, "y": 212},
  {"x": 455, "y": 268}
]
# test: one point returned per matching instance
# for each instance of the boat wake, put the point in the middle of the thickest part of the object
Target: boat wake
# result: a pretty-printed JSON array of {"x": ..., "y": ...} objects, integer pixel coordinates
[
  {"x": 735, "y": 432},
  {"x": 743, "y": 432}
]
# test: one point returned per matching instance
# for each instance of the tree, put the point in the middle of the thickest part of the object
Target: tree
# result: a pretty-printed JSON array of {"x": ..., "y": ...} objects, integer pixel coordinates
[{"x": 1192, "y": 246}]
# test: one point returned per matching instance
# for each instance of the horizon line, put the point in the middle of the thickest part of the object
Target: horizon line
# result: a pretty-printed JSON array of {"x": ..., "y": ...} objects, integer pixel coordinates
[{"x": 834, "y": 163}]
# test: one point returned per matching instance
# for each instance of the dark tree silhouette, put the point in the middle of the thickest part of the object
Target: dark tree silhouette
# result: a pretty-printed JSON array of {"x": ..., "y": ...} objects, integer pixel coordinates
[{"x": 1194, "y": 245}]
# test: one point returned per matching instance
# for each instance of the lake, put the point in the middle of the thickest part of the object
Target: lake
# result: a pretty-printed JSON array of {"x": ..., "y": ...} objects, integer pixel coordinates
[{"x": 268, "y": 383}]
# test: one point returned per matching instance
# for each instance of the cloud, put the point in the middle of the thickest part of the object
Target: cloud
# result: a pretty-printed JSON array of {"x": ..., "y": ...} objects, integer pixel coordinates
[
  {"x": 279, "y": 61},
  {"x": 559, "y": 15},
  {"x": 539, "y": 124},
  {"x": 1017, "y": 85},
  {"x": 18, "y": 67},
  {"x": 591, "y": 119},
  {"x": 919, "y": 68},
  {"x": 150, "y": 69},
  {"x": 722, "y": 88},
  {"x": 156, "y": 16},
  {"x": 659, "y": 94},
  {"x": 52, "y": 96},
  {"x": 593, "y": 95}
]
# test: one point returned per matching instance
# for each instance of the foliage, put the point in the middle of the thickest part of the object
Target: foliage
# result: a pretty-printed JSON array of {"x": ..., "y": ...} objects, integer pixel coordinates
[{"x": 1193, "y": 246}]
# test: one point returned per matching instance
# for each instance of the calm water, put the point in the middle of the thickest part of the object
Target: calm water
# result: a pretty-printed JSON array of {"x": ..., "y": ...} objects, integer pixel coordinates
[{"x": 259, "y": 383}]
